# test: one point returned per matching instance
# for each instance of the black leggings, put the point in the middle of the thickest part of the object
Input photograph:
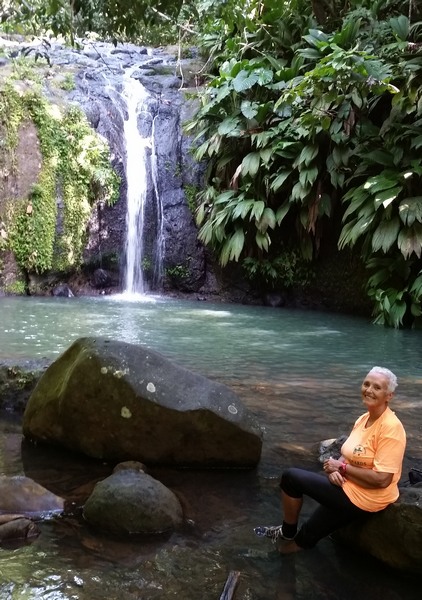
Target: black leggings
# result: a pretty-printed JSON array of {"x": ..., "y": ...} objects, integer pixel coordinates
[{"x": 335, "y": 510}]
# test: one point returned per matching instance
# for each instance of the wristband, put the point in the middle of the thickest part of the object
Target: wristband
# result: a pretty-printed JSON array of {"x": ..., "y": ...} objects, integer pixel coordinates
[{"x": 342, "y": 469}]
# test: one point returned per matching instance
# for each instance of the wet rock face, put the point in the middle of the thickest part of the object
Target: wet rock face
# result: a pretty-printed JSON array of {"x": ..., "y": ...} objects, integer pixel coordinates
[
  {"x": 118, "y": 401},
  {"x": 102, "y": 73},
  {"x": 102, "y": 78}
]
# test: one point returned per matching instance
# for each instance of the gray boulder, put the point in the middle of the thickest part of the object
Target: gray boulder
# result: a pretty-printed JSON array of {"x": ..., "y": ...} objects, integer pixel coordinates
[
  {"x": 130, "y": 502},
  {"x": 117, "y": 401},
  {"x": 393, "y": 535}
]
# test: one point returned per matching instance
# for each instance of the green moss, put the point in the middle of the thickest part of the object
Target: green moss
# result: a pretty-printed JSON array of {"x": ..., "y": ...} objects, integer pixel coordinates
[
  {"x": 75, "y": 169},
  {"x": 191, "y": 194},
  {"x": 17, "y": 287}
]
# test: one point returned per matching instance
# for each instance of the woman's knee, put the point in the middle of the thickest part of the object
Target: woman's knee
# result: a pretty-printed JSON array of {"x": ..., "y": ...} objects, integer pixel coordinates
[{"x": 290, "y": 482}]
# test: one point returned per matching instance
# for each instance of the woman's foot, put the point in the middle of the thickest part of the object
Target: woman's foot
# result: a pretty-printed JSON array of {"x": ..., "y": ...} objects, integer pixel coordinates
[{"x": 289, "y": 547}]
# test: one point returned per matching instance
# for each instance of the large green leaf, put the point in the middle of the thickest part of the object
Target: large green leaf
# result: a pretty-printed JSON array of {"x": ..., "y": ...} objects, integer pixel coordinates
[
  {"x": 244, "y": 80},
  {"x": 267, "y": 220},
  {"x": 352, "y": 231},
  {"x": 386, "y": 197},
  {"x": 229, "y": 126},
  {"x": 250, "y": 164},
  {"x": 249, "y": 109},
  {"x": 410, "y": 210},
  {"x": 380, "y": 157},
  {"x": 282, "y": 212},
  {"x": 410, "y": 240},
  {"x": 257, "y": 210},
  {"x": 379, "y": 183},
  {"x": 242, "y": 209},
  {"x": 385, "y": 235},
  {"x": 262, "y": 240},
  {"x": 400, "y": 27},
  {"x": 280, "y": 179},
  {"x": 416, "y": 289}
]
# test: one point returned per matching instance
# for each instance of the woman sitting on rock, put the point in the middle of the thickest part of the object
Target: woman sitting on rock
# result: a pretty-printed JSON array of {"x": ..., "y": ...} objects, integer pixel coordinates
[{"x": 364, "y": 480}]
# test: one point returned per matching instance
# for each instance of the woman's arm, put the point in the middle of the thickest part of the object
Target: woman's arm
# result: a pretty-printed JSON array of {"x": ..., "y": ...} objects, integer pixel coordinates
[{"x": 366, "y": 478}]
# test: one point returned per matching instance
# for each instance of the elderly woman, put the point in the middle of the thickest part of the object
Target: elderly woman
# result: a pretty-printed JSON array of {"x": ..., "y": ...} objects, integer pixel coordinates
[{"x": 363, "y": 480}]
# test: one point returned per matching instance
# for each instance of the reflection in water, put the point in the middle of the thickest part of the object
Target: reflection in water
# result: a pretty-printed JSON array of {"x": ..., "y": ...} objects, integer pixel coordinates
[{"x": 298, "y": 372}]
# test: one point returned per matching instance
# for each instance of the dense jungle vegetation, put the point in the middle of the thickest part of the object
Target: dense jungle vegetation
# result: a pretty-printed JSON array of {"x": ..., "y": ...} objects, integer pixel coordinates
[{"x": 310, "y": 123}]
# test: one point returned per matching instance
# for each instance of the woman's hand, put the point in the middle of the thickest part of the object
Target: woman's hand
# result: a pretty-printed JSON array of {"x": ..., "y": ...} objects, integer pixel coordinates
[
  {"x": 332, "y": 465},
  {"x": 336, "y": 479}
]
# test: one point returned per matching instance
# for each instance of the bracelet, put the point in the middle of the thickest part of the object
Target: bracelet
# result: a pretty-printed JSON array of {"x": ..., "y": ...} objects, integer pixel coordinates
[{"x": 342, "y": 469}]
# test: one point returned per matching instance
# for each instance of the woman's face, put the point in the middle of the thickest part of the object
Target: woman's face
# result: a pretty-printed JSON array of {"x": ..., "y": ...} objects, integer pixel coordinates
[{"x": 375, "y": 392}]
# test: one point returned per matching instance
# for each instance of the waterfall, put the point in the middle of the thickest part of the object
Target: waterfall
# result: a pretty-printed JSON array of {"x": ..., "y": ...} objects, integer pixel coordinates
[
  {"x": 158, "y": 273},
  {"x": 138, "y": 153}
]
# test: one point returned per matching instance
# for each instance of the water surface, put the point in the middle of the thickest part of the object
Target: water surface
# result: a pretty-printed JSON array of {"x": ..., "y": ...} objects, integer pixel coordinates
[{"x": 299, "y": 372}]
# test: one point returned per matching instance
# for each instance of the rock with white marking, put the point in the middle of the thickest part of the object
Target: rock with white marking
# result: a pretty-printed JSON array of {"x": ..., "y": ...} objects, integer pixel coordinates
[{"x": 119, "y": 401}]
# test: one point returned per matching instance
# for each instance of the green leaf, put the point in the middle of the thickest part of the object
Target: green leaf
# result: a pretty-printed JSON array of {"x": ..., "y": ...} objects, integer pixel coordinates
[
  {"x": 228, "y": 126},
  {"x": 308, "y": 176},
  {"x": 352, "y": 231},
  {"x": 262, "y": 240},
  {"x": 416, "y": 289},
  {"x": 249, "y": 109},
  {"x": 282, "y": 212},
  {"x": 385, "y": 235},
  {"x": 244, "y": 80},
  {"x": 308, "y": 153},
  {"x": 257, "y": 210},
  {"x": 279, "y": 180},
  {"x": 387, "y": 196},
  {"x": 315, "y": 37},
  {"x": 379, "y": 183},
  {"x": 410, "y": 240},
  {"x": 416, "y": 142},
  {"x": 267, "y": 220},
  {"x": 410, "y": 210},
  {"x": 380, "y": 157},
  {"x": 400, "y": 27},
  {"x": 250, "y": 164},
  {"x": 242, "y": 208}
]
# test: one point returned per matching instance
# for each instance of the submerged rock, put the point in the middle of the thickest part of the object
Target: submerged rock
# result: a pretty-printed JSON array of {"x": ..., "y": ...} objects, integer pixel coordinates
[
  {"x": 118, "y": 401},
  {"x": 17, "y": 527},
  {"x": 131, "y": 502},
  {"x": 22, "y": 494}
]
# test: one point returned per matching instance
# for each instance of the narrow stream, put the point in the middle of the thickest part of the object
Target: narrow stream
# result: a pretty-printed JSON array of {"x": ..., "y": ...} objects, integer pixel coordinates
[{"x": 299, "y": 372}]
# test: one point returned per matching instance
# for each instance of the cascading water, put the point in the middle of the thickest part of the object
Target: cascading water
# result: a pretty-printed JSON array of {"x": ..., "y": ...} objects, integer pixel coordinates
[
  {"x": 140, "y": 169},
  {"x": 157, "y": 275}
]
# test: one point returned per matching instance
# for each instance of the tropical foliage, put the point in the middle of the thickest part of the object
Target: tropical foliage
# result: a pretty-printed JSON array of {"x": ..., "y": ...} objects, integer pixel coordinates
[
  {"x": 315, "y": 117},
  {"x": 311, "y": 127}
]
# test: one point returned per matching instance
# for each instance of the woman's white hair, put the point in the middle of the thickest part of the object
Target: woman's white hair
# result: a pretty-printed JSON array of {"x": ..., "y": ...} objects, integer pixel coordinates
[{"x": 391, "y": 378}]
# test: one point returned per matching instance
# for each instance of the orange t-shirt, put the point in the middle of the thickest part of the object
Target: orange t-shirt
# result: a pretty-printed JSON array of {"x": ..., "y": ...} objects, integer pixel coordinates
[{"x": 379, "y": 447}]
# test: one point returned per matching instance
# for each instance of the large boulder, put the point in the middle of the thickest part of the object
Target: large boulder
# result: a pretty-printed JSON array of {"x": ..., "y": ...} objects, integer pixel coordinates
[
  {"x": 393, "y": 535},
  {"x": 117, "y": 401},
  {"x": 130, "y": 502}
]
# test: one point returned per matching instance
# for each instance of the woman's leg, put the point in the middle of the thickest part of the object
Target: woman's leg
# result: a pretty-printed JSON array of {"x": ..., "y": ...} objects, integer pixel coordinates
[{"x": 335, "y": 508}]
